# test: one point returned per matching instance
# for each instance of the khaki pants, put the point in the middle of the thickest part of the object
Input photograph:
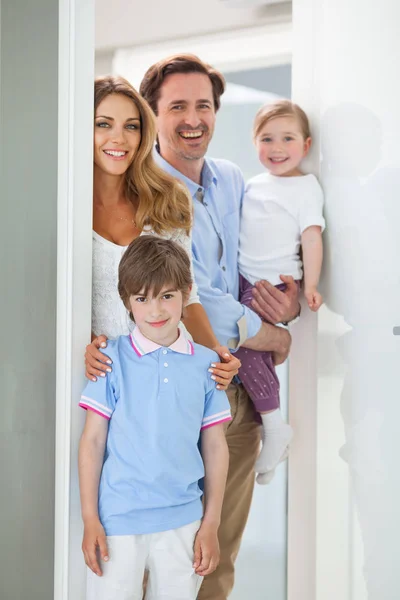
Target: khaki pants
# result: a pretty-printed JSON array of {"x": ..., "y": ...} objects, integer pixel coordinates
[{"x": 243, "y": 438}]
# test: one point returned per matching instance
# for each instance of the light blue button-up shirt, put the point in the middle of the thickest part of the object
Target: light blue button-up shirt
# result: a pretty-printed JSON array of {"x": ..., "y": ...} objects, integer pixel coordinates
[
  {"x": 157, "y": 400},
  {"x": 217, "y": 205}
]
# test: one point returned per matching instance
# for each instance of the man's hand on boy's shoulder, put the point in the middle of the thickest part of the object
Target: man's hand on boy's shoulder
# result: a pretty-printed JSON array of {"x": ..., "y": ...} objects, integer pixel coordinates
[{"x": 206, "y": 550}]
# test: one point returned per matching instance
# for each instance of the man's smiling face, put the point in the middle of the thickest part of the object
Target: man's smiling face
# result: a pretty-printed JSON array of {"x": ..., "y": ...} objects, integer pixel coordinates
[{"x": 185, "y": 116}]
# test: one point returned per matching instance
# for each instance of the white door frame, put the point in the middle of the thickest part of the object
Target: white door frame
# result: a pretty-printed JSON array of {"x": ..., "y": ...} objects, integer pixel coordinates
[{"x": 74, "y": 268}]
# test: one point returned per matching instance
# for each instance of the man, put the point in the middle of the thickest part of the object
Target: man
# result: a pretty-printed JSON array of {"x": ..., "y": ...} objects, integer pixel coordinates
[{"x": 184, "y": 93}]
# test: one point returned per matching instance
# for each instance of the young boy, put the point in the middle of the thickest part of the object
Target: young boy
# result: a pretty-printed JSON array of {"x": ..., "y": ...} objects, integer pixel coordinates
[
  {"x": 282, "y": 211},
  {"x": 139, "y": 458}
]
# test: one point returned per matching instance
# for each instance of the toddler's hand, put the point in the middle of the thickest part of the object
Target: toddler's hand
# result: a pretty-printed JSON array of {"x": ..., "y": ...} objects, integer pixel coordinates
[
  {"x": 314, "y": 299},
  {"x": 94, "y": 543},
  {"x": 206, "y": 550}
]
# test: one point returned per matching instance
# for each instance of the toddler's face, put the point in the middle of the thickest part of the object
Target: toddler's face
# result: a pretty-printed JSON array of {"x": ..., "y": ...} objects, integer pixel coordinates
[
  {"x": 281, "y": 146},
  {"x": 158, "y": 316}
]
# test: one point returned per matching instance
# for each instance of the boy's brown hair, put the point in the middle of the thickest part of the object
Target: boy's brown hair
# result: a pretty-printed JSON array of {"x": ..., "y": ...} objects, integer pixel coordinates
[
  {"x": 281, "y": 108},
  {"x": 150, "y": 88},
  {"x": 149, "y": 264}
]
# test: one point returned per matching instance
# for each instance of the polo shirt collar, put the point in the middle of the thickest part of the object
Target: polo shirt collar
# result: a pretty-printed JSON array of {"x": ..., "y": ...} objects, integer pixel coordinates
[
  {"x": 208, "y": 176},
  {"x": 142, "y": 345}
]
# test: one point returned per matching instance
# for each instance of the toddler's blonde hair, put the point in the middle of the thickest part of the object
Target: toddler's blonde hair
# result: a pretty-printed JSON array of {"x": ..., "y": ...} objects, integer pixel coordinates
[{"x": 281, "y": 108}]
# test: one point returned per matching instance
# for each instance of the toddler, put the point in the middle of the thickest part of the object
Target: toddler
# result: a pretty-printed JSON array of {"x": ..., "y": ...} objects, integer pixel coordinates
[{"x": 281, "y": 215}]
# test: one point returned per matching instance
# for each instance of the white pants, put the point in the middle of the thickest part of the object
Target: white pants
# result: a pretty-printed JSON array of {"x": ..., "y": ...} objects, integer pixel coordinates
[{"x": 168, "y": 557}]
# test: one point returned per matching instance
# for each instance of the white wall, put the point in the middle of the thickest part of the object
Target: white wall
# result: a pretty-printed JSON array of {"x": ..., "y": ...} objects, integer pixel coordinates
[{"x": 28, "y": 251}]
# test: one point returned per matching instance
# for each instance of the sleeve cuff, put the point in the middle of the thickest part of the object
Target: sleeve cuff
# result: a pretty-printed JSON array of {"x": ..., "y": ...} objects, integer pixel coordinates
[
  {"x": 216, "y": 419},
  {"x": 313, "y": 221},
  {"x": 91, "y": 404},
  {"x": 248, "y": 325},
  {"x": 293, "y": 321}
]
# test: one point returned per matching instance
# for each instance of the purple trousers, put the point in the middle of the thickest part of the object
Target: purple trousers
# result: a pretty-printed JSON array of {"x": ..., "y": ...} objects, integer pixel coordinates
[{"x": 257, "y": 372}]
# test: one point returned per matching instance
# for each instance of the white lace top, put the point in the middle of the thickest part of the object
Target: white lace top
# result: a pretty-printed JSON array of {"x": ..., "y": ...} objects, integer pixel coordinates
[{"x": 109, "y": 315}]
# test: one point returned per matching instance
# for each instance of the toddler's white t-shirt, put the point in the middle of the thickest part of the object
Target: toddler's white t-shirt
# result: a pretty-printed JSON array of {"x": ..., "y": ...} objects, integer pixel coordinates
[{"x": 275, "y": 212}]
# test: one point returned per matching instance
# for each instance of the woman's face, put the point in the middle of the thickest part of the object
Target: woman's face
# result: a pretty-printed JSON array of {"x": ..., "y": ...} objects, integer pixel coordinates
[{"x": 117, "y": 134}]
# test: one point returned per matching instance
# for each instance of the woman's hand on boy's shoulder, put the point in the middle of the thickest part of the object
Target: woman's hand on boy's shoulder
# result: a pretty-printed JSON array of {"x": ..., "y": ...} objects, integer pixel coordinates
[
  {"x": 206, "y": 550},
  {"x": 94, "y": 545},
  {"x": 97, "y": 364},
  {"x": 223, "y": 372}
]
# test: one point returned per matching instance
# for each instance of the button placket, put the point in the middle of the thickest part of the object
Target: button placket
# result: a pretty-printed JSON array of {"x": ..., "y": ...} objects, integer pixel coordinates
[{"x": 199, "y": 195}]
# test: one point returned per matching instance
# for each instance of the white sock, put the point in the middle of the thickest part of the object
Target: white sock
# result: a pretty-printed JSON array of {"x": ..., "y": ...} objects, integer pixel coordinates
[
  {"x": 275, "y": 439},
  {"x": 264, "y": 478}
]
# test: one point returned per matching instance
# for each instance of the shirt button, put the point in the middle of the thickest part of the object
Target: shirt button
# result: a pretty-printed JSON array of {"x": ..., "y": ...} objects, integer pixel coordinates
[
  {"x": 164, "y": 351},
  {"x": 165, "y": 380},
  {"x": 165, "y": 364},
  {"x": 224, "y": 268}
]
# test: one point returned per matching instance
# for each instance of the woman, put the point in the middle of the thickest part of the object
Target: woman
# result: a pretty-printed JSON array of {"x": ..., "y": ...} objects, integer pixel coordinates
[{"x": 132, "y": 196}]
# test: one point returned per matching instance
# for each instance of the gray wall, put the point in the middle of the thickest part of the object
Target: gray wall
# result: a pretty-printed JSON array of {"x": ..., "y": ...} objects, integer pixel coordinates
[
  {"x": 103, "y": 62},
  {"x": 277, "y": 80},
  {"x": 233, "y": 133},
  {"x": 28, "y": 201}
]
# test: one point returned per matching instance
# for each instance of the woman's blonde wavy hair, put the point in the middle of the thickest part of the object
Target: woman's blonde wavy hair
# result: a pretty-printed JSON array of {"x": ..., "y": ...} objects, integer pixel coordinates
[{"x": 164, "y": 204}]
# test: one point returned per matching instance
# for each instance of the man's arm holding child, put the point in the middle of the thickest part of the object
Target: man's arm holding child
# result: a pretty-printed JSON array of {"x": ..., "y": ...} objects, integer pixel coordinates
[
  {"x": 91, "y": 455},
  {"x": 226, "y": 313},
  {"x": 311, "y": 243},
  {"x": 275, "y": 306},
  {"x": 216, "y": 460}
]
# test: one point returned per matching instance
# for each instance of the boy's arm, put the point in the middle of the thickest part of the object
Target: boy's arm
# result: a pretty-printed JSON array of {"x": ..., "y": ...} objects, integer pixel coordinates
[
  {"x": 91, "y": 455},
  {"x": 216, "y": 461},
  {"x": 311, "y": 242}
]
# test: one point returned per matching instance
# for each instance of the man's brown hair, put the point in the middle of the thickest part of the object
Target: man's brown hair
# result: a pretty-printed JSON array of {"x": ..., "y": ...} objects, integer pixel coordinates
[
  {"x": 150, "y": 88},
  {"x": 149, "y": 264}
]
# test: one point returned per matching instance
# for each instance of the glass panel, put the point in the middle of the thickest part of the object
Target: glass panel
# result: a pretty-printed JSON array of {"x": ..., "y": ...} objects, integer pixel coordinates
[{"x": 261, "y": 564}]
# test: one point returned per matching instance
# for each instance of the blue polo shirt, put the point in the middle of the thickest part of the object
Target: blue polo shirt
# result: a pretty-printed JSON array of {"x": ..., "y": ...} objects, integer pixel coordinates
[
  {"x": 215, "y": 241},
  {"x": 157, "y": 401}
]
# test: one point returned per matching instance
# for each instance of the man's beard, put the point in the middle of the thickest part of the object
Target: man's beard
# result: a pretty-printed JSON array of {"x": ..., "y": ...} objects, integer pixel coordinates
[
  {"x": 196, "y": 153},
  {"x": 193, "y": 156}
]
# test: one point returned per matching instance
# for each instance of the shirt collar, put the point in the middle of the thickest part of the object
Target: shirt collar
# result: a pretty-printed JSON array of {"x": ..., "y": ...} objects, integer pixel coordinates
[
  {"x": 142, "y": 345},
  {"x": 208, "y": 176}
]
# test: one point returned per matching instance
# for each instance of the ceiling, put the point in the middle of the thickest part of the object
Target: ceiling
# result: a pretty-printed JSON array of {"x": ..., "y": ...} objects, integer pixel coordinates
[{"x": 124, "y": 23}]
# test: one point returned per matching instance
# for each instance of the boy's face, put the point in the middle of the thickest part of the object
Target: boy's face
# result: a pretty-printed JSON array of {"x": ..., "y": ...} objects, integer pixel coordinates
[
  {"x": 158, "y": 316},
  {"x": 281, "y": 146}
]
